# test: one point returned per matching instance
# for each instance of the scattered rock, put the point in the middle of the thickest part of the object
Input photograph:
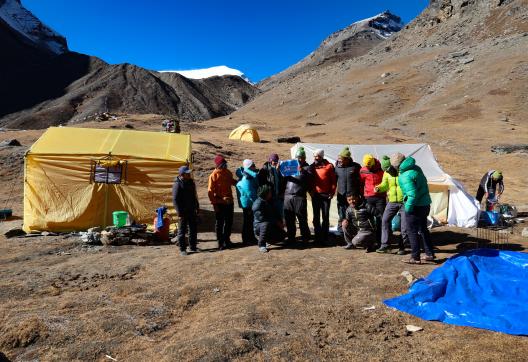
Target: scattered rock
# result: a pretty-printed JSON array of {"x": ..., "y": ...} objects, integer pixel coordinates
[
  {"x": 506, "y": 149},
  {"x": 313, "y": 115},
  {"x": 504, "y": 119},
  {"x": 524, "y": 233},
  {"x": 311, "y": 124},
  {"x": 411, "y": 328},
  {"x": 407, "y": 275},
  {"x": 216, "y": 290},
  {"x": 466, "y": 60},
  {"x": 14, "y": 232},
  {"x": 129, "y": 126},
  {"x": 385, "y": 75},
  {"x": 459, "y": 54},
  {"x": 292, "y": 139},
  {"x": 372, "y": 307},
  {"x": 13, "y": 143}
]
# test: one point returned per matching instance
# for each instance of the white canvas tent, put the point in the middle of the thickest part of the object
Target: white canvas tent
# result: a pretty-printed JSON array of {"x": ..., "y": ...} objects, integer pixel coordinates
[{"x": 451, "y": 203}]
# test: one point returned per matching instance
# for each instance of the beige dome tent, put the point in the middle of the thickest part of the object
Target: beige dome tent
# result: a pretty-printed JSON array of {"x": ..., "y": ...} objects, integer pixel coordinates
[{"x": 245, "y": 133}]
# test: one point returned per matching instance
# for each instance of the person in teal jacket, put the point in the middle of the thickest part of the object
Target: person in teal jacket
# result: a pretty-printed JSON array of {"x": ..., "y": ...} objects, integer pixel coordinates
[
  {"x": 417, "y": 204},
  {"x": 247, "y": 194},
  {"x": 391, "y": 186}
]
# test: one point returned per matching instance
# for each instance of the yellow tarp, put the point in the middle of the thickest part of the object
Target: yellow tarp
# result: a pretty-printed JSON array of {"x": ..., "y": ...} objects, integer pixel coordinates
[
  {"x": 61, "y": 195},
  {"x": 245, "y": 133}
]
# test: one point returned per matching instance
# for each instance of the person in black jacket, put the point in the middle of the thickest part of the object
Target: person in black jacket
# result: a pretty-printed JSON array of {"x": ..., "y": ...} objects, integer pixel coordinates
[
  {"x": 270, "y": 175},
  {"x": 185, "y": 202},
  {"x": 359, "y": 223},
  {"x": 267, "y": 223},
  {"x": 348, "y": 182},
  {"x": 295, "y": 204}
]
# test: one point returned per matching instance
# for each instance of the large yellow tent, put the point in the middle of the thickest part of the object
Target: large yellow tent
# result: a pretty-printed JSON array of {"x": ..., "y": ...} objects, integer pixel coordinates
[
  {"x": 75, "y": 178},
  {"x": 245, "y": 133}
]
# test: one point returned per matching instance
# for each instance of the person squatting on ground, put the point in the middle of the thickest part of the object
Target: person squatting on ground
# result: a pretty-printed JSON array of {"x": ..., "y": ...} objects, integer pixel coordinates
[
  {"x": 417, "y": 204},
  {"x": 295, "y": 204},
  {"x": 247, "y": 194},
  {"x": 324, "y": 188},
  {"x": 348, "y": 182},
  {"x": 268, "y": 224},
  {"x": 221, "y": 196},
  {"x": 371, "y": 175},
  {"x": 270, "y": 175},
  {"x": 488, "y": 186},
  {"x": 390, "y": 184},
  {"x": 185, "y": 201},
  {"x": 358, "y": 225}
]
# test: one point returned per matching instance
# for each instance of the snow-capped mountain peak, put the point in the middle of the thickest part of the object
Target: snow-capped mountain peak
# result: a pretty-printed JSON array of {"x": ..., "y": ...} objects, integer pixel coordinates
[
  {"x": 208, "y": 72},
  {"x": 385, "y": 23},
  {"x": 30, "y": 27}
]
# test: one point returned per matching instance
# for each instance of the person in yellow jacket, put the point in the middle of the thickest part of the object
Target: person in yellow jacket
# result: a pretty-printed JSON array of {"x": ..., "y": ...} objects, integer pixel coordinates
[{"x": 390, "y": 185}]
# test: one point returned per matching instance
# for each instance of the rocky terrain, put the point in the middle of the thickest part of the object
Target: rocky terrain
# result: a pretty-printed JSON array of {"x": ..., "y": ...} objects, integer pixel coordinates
[
  {"x": 44, "y": 84},
  {"x": 454, "y": 78}
]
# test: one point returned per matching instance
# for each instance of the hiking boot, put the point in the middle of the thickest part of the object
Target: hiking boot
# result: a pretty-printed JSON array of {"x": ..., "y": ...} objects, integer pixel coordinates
[
  {"x": 401, "y": 252},
  {"x": 263, "y": 249},
  {"x": 349, "y": 247},
  {"x": 370, "y": 249},
  {"x": 429, "y": 258},
  {"x": 383, "y": 250},
  {"x": 183, "y": 253},
  {"x": 194, "y": 250}
]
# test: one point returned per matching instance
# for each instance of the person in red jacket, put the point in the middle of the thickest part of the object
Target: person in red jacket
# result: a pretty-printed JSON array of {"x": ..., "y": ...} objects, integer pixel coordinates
[
  {"x": 371, "y": 175},
  {"x": 322, "y": 191}
]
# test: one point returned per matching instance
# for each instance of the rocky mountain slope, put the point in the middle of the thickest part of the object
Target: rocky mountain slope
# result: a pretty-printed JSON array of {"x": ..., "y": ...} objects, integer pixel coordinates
[
  {"x": 454, "y": 78},
  {"x": 352, "y": 41},
  {"x": 44, "y": 84}
]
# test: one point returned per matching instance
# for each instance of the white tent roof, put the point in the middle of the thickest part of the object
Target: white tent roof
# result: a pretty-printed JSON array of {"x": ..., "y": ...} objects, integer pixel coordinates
[{"x": 463, "y": 208}]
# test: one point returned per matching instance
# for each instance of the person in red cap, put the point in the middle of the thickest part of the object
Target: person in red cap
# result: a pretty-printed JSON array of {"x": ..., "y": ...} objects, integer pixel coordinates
[{"x": 221, "y": 196}]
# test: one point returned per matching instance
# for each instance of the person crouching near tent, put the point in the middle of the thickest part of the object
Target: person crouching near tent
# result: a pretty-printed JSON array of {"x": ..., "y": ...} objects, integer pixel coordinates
[
  {"x": 268, "y": 224},
  {"x": 221, "y": 196},
  {"x": 348, "y": 182},
  {"x": 488, "y": 187},
  {"x": 358, "y": 224},
  {"x": 391, "y": 185},
  {"x": 417, "y": 204},
  {"x": 371, "y": 175},
  {"x": 323, "y": 190},
  {"x": 295, "y": 203},
  {"x": 270, "y": 175},
  {"x": 247, "y": 194},
  {"x": 186, "y": 204}
]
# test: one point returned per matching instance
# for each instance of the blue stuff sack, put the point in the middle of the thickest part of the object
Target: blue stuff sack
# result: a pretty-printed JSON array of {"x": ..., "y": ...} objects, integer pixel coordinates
[{"x": 396, "y": 222}]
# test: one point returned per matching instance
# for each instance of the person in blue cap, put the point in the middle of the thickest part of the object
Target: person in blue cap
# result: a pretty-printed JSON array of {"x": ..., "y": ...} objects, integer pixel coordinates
[{"x": 186, "y": 204}]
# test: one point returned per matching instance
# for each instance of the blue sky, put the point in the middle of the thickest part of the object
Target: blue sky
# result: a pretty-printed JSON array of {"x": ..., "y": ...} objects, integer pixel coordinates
[{"x": 259, "y": 38}]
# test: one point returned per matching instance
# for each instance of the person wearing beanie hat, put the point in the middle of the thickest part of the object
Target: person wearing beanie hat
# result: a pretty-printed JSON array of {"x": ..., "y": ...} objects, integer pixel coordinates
[
  {"x": 267, "y": 222},
  {"x": 348, "y": 182},
  {"x": 295, "y": 202},
  {"x": 185, "y": 201},
  {"x": 270, "y": 175},
  {"x": 371, "y": 175},
  {"x": 247, "y": 194},
  {"x": 488, "y": 187},
  {"x": 324, "y": 184},
  {"x": 416, "y": 207},
  {"x": 220, "y": 194},
  {"x": 391, "y": 185},
  {"x": 396, "y": 159}
]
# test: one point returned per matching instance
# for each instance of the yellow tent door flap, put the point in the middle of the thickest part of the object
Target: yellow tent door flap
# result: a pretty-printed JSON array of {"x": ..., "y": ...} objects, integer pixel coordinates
[{"x": 245, "y": 133}]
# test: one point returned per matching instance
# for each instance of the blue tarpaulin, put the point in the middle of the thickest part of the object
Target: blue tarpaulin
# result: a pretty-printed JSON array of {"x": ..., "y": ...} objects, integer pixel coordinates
[{"x": 482, "y": 288}]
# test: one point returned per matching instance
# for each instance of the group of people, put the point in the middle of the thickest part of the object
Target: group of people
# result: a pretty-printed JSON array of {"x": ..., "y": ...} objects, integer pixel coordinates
[{"x": 368, "y": 197}]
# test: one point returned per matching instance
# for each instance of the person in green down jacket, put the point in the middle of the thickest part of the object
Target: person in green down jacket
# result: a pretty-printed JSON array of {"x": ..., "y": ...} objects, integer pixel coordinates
[
  {"x": 391, "y": 185},
  {"x": 417, "y": 204}
]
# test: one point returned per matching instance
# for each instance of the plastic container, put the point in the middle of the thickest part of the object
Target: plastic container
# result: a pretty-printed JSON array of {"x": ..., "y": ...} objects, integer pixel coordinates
[{"x": 120, "y": 218}]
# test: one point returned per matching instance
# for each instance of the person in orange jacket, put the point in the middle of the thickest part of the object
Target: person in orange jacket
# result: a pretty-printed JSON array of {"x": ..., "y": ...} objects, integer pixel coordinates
[
  {"x": 322, "y": 191},
  {"x": 221, "y": 196}
]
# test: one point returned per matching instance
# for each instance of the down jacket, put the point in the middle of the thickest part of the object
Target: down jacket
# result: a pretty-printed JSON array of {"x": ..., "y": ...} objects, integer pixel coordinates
[
  {"x": 219, "y": 189},
  {"x": 298, "y": 185},
  {"x": 323, "y": 177},
  {"x": 391, "y": 185},
  {"x": 414, "y": 185},
  {"x": 362, "y": 216},
  {"x": 348, "y": 181},
  {"x": 247, "y": 188},
  {"x": 370, "y": 178}
]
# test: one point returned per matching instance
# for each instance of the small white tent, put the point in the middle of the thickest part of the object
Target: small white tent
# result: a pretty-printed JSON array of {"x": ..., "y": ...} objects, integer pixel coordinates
[{"x": 451, "y": 203}]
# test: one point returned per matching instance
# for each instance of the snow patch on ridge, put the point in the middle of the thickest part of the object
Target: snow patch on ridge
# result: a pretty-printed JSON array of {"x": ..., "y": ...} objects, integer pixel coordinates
[
  {"x": 24, "y": 22},
  {"x": 208, "y": 72}
]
